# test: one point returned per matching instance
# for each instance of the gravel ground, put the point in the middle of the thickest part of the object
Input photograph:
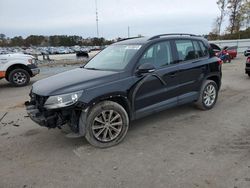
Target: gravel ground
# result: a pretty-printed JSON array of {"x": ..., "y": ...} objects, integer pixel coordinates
[{"x": 181, "y": 147}]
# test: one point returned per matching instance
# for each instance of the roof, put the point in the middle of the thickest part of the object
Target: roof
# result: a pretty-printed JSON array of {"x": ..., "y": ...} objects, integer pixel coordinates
[{"x": 143, "y": 40}]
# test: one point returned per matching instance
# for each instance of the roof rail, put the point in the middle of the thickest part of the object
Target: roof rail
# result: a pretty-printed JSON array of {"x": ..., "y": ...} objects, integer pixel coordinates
[
  {"x": 181, "y": 34},
  {"x": 128, "y": 38}
]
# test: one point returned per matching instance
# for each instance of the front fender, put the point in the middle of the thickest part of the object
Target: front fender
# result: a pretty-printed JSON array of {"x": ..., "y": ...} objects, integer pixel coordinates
[{"x": 14, "y": 62}]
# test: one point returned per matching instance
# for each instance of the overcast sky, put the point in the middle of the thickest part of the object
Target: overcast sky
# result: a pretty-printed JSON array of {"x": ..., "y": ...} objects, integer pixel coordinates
[{"x": 77, "y": 17}]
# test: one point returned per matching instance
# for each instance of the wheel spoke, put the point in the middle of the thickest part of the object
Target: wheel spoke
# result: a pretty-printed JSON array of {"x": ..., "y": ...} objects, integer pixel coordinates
[
  {"x": 116, "y": 123},
  {"x": 95, "y": 127},
  {"x": 115, "y": 118},
  {"x": 114, "y": 129},
  {"x": 100, "y": 132},
  {"x": 104, "y": 137},
  {"x": 104, "y": 116},
  {"x": 206, "y": 96},
  {"x": 110, "y": 114},
  {"x": 206, "y": 101},
  {"x": 99, "y": 120},
  {"x": 111, "y": 136}
]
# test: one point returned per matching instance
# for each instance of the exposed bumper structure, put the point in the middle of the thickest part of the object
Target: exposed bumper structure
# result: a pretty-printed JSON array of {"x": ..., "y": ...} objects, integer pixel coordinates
[
  {"x": 45, "y": 119},
  {"x": 34, "y": 69},
  {"x": 52, "y": 118}
]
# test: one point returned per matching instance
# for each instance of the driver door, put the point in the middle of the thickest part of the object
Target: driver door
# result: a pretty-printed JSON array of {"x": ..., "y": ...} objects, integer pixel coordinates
[{"x": 159, "y": 90}]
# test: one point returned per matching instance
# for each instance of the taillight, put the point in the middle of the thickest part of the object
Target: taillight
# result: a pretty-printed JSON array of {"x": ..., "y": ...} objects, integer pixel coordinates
[
  {"x": 248, "y": 60},
  {"x": 220, "y": 62}
]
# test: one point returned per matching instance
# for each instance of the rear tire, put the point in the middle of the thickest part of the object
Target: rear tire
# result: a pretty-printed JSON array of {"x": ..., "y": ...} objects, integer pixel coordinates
[
  {"x": 248, "y": 74},
  {"x": 19, "y": 77},
  {"x": 107, "y": 124},
  {"x": 208, "y": 95}
]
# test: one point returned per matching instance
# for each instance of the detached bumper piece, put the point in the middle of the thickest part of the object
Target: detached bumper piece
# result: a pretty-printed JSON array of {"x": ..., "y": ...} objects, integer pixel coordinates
[
  {"x": 48, "y": 119},
  {"x": 34, "y": 69}
]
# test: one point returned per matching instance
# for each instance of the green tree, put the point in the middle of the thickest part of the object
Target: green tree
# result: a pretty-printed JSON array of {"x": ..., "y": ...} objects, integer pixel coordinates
[
  {"x": 2, "y": 36},
  {"x": 34, "y": 40},
  {"x": 17, "y": 41}
]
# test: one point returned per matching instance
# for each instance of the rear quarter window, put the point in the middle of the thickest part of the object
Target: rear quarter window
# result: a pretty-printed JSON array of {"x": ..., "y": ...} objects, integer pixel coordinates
[
  {"x": 204, "y": 49},
  {"x": 185, "y": 50}
]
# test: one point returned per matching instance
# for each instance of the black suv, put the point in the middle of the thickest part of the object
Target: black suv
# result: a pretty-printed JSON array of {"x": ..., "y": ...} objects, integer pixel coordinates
[{"x": 128, "y": 80}]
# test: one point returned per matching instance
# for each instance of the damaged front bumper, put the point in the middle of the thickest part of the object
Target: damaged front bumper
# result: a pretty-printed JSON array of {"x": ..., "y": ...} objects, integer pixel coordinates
[
  {"x": 55, "y": 118},
  {"x": 50, "y": 119}
]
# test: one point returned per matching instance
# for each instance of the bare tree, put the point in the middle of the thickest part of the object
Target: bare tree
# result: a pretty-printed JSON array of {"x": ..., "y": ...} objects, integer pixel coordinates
[
  {"x": 216, "y": 26},
  {"x": 245, "y": 11},
  {"x": 222, "y": 4},
  {"x": 235, "y": 8}
]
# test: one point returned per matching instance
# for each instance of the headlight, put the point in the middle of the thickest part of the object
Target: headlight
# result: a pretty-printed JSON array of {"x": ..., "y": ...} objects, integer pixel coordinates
[
  {"x": 32, "y": 61},
  {"x": 61, "y": 101}
]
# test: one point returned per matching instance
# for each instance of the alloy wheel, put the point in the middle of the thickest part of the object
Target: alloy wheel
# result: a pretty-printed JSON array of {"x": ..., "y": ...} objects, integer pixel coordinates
[
  {"x": 107, "y": 125},
  {"x": 209, "y": 95}
]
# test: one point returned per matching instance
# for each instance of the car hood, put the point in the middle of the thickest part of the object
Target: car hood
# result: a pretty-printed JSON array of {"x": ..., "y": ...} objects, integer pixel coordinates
[
  {"x": 73, "y": 80},
  {"x": 15, "y": 56}
]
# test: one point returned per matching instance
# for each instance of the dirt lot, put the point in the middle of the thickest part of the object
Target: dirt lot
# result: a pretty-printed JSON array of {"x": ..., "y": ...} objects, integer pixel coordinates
[{"x": 182, "y": 147}]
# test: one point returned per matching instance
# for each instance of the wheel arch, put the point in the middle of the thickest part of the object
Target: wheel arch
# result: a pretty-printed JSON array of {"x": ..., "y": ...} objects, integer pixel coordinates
[
  {"x": 215, "y": 78},
  {"x": 119, "y": 98},
  {"x": 16, "y": 66}
]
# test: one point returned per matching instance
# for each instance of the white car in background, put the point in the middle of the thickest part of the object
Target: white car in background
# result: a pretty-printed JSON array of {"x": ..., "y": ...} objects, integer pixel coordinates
[{"x": 18, "y": 68}]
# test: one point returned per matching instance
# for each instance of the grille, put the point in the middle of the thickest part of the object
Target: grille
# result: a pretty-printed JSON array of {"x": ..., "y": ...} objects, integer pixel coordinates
[{"x": 38, "y": 100}]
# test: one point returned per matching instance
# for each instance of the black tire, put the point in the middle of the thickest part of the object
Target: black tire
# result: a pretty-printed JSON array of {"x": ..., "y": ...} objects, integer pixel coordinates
[
  {"x": 19, "y": 77},
  {"x": 99, "y": 114},
  {"x": 202, "y": 101},
  {"x": 248, "y": 74}
]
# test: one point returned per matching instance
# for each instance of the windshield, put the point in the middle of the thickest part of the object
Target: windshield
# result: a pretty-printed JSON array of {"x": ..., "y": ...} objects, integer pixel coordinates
[{"x": 115, "y": 57}]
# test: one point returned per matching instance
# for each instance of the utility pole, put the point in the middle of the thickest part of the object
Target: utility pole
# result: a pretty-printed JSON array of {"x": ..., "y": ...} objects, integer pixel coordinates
[
  {"x": 97, "y": 26},
  {"x": 128, "y": 31}
]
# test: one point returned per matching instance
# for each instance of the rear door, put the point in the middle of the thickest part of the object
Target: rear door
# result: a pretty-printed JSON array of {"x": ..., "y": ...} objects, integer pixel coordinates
[
  {"x": 192, "y": 66},
  {"x": 159, "y": 90}
]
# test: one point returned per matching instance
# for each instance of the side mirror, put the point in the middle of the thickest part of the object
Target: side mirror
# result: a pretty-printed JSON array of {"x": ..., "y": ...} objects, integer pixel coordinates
[{"x": 145, "y": 68}]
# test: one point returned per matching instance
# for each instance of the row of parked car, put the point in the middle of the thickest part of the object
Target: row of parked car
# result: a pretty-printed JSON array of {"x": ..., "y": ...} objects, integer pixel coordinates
[{"x": 48, "y": 50}]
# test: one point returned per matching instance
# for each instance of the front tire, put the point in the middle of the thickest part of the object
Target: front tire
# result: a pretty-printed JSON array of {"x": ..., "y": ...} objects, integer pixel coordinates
[
  {"x": 107, "y": 124},
  {"x": 208, "y": 95},
  {"x": 19, "y": 77}
]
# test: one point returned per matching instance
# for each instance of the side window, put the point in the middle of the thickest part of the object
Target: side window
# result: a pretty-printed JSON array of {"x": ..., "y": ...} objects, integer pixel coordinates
[
  {"x": 159, "y": 55},
  {"x": 185, "y": 50},
  {"x": 203, "y": 49},
  {"x": 198, "y": 51}
]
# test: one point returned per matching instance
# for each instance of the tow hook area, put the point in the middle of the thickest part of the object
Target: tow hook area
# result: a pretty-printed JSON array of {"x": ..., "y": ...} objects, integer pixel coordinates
[{"x": 46, "y": 119}]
